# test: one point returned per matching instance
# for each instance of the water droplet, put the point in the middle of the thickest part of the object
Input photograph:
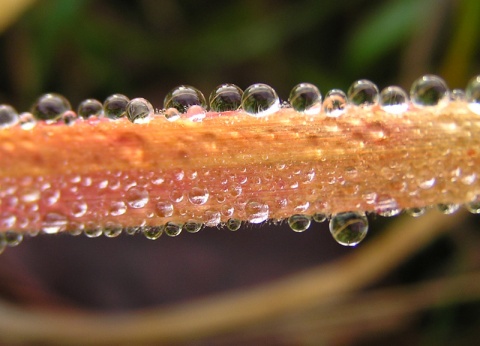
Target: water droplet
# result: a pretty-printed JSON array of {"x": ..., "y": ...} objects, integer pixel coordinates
[
  {"x": 386, "y": 206},
  {"x": 198, "y": 195},
  {"x": 173, "y": 229},
  {"x": 164, "y": 208},
  {"x": 192, "y": 226},
  {"x": 349, "y": 228},
  {"x": 299, "y": 222},
  {"x": 93, "y": 232},
  {"x": 8, "y": 116},
  {"x": 234, "y": 224},
  {"x": 53, "y": 223},
  {"x": 394, "y": 100},
  {"x": 306, "y": 98},
  {"x": 112, "y": 230},
  {"x": 51, "y": 196},
  {"x": 472, "y": 93},
  {"x": 334, "y": 103},
  {"x": 27, "y": 120},
  {"x": 137, "y": 197},
  {"x": 427, "y": 184},
  {"x": 429, "y": 90},
  {"x": 447, "y": 208},
  {"x": 260, "y": 100},
  {"x": 363, "y": 93},
  {"x": 152, "y": 232},
  {"x": 12, "y": 238},
  {"x": 474, "y": 206},
  {"x": 70, "y": 118},
  {"x": 90, "y": 108},
  {"x": 133, "y": 230},
  {"x": 212, "y": 218},
  {"x": 256, "y": 212},
  {"x": 50, "y": 107},
  {"x": 183, "y": 97},
  {"x": 3, "y": 243},
  {"x": 172, "y": 114},
  {"x": 225, "y": 97},
  {"x": 117, "y": 208},
  {"x": 416, "y": 212},
  {"x": 319, "y": 217},
  {"x": 115, "y": 105},
  {"x": 139, "y": 110},
  {"x": 458, "y": 95}
]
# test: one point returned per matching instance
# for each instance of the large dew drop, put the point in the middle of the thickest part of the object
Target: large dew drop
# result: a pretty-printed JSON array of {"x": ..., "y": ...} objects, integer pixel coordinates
[
  {"x": 299, "y": 222},
  {"x": 256, "y": 212},
  {"x": 260, "y": 100},
  {"x": 225, "y": 97},
  {"x": 429, "y": 90},
  {"x": 115, "y": 106},
  {"x": 394, "y": 100},
  {"x": 349, "y": 228},
  {"x": 306, "y": 98},
  {"x": 363, "y": 93},
  {"x": 50, "y": 107}
]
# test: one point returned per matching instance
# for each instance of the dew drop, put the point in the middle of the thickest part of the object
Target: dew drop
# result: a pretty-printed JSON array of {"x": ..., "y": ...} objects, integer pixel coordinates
[
  {"x": 447, "y": 208},
  {"x": 225, "y": 97},
  {"x": 198, "y": 195},
  {"x": 472, "y": 94},
  {"x": 299, "y": 222},
  {"x": 152, "y": 232},
  {"x": 334, "y": 103},
  {"x": 50, "y": 107},
  {"x": 117, "y": 208},
  {"x": 70, "y": 118},
  {"x": 27, "y": 120},
  {"x": 319, "y": 217},
  {"x": 386, "y": 206},
  {"x": 90, "y": 108},
  {"x": 458, "y": 95},
  {"x": 234, "y": 224},
  {"x": 54, "y": 223},
  {"x": 394, "y": 99},
  {"x": 306, "y": 98},
  {"x": 139, "y": 110},
  {"x": 416, "y": 212},
  {"x": 183, "y": 97},
  {"x": 173, "y": 229},
  {"x": 192, "y": 226},
  {"x": 363, "y": 93},
  {"x": 474, "y": 206},
  {"x": 260, "y": 100},
  {"x": 164, "y": 208},
  {"x": 3, "y": 243},
  {"x": 212, "y": 218},
  {"x": 429, "y": 90},
  {"x": 115, "y": 105},
  {"x": 256, "y": 212},
  {"x": 93, "y": 232},
  {"x": 349, "y": 228},
  {"x": 112, "y": 230},
  {"x": 137, "y": 197},
  {"x": 8, "y": 116},
  {"x": 133, "y": 230},
  {"x": 172, "y": 114},
  {"x": 12, "y": 238}
]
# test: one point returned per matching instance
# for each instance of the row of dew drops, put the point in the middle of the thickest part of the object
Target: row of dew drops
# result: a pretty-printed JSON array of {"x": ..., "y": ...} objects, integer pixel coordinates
[
  {"x": 347, "y": 228},
  {"x": 258, "y": 100}
]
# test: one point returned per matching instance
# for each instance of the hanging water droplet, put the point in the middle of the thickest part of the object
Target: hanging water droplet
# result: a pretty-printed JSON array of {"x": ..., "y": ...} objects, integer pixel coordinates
[
  {"x": 115, "y": 105},
  {"x": 164, "y": 208},
  {"x": 299, "y": 222},
  {"x": 117, "y": 208},
  {"x": 363, "y": 93},
  {"x": 212, "y": 218},
  {"x": 416, "y": 212},
  {"x": 50, "y": 107},
  {"x": 349, "y": 228},
  {"x": 472, "y": 94},
  {"x": 447, "y": 208},
  {"x": 133, "y": 230},
  {"x": 192, "y": 226},
  {"x": 54, "y": 222},
  {"x": 139, "y": 110},
  {"x": 387, "y": 206},
  {"x": 429, "y": 90},
  {"x": 93, "y": 232},
  {"x": 225, "y": 97},
  {"x": 474, "y": 206},
  {"x": 260, "y": 100},
  {"x": 334, "y": 103},
  {"x": 393, "y": 99},
  {"x": 112, "y": 230},
  {"x": 12, "y": 238},
  {"x": 256, "y": 212},
  {"x": 306, "y": 98},
  {"x": 152, "y": 232},
  {"x": 27, "y": 120},
  {"x": 198, "y": 195},
  {"x": 183, "y": 97},
  {"x": 8, "y": 116},
  {"x": 234, "y": 224},
  {"x": 90, "y": 108},
  {"x": 319, "y": 217},
  {"x": 172, "y": 229},
  {"x": 137, "y": 197}
]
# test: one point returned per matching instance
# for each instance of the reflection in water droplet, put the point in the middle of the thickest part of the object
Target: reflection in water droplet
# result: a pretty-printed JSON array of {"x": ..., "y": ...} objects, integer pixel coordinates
[
  {"x": 429, "y": 90},
  {"x": 13, "y": 238},
  {"x": 172, "y": 229},
  {"x": 349, "y": 228},
  {"x": 89, "y": 108},
  {"x": 152, "y": 232},
  {"x": 299, "y": 222},
  {"x": 234, "y": 224},
  {"x": 139, "y": 110},
  {"x": 416, "y": 212},
  {"x": 225, "y": 97},
  {"x": 112, "y": 230},
  {"x": 394, "y": 100},
  {"x": 50, "y": 107},
  {"x": 93, "y": 232},
  {"x": 363, "y": 93},
  {"x": 260, "y": 100},
  {"x": 8, "y": 116},
  {"x": 183, "y": 97},
  {"x": 198, "y": 195},
  {"x": 117, "y": 208},
  {"x": 447, "y": 208},
  {"x": 319, "y": 217},
  {"x": 115, "y": 105},
  {"x": 306, "y": 98},
  {"x": 192, "y": 226},
  {"x": 256, "y": 212},
  {"x": 472, "y": 94},
  {"x": 137, "y": 197},
  {"x": 54, "y": 223},
  {"x": 164, "y": 208},
  {"x": 334, "y": 103}
]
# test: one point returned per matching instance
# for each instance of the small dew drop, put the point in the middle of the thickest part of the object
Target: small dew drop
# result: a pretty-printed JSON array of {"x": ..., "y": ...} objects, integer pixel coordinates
[
  {"x": 474, "y": 206},
  {"x": 12, "y": 238},
  {"x": 386, "y": 206},
  {"x": 133, "y": 230},
  {"x": 394, "y": 100},
  {"x": 8, "y": 116},
  {"x": 349, "y": 228},
  {"x": 54, "y": 223},
  {"x": 416, "y": 212},
  {"x": 79, "y": 208},
  {"x": 164, "y": 208},
  {"x": 137, "y": 197},
  {"x": 90, "y": 108},
  {"x": 256, "y": 212},
  {"x": 27, "y": 121},
  {"x": 198, "y": 195},
  {"x": 172, "y": 229},
  {"x": 299, "y": 222},
  {"x": 234, "y": 224},
  {"x": 112, "y": 230},
  {"x": 225, "y": 97},
  {"x": 153, "y": 232},
  {"x": 306, "y": 98},
  {"x": 117, "y": 208},
  {"x": 212, "y": 218},
  {"x": 447, "y": 208},
  {"x": 334, "y": 103},
  {"x": 260, "y": 100},
  {"x": 472, "y": 94},
  {"x": 363, "y": 93},
  {"x": 319, "y": 217},
  {"x": 192, "y": 226}
]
